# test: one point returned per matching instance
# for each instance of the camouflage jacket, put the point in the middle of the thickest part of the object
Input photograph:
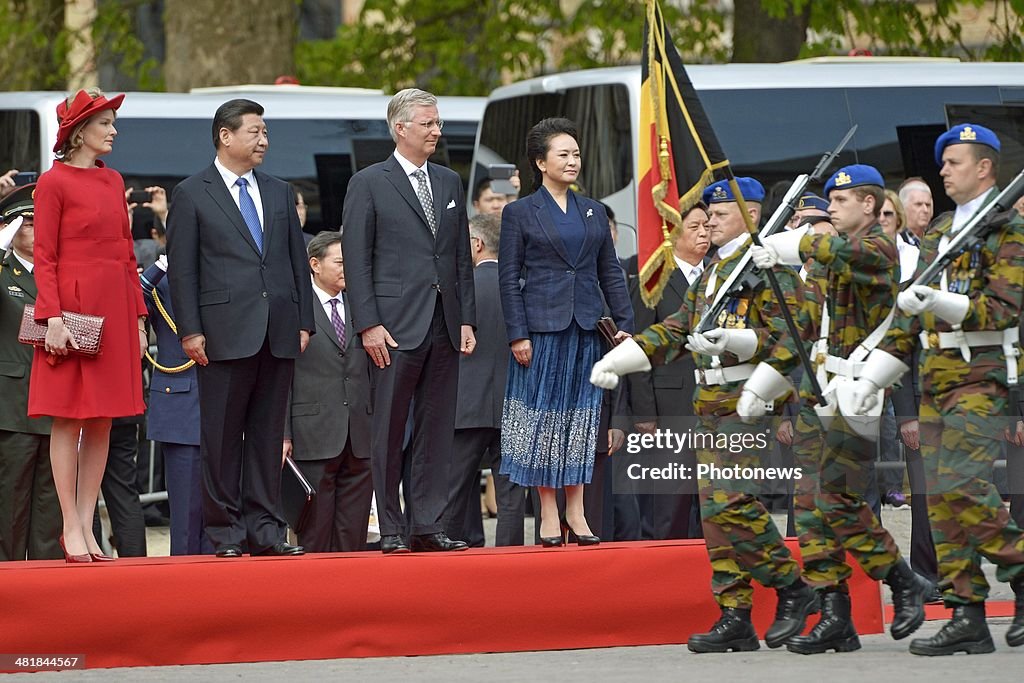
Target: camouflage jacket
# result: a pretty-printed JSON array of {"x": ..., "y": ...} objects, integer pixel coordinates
[
  {"x": 754, "y": 309},
  {"x": 992, "y": 275}
]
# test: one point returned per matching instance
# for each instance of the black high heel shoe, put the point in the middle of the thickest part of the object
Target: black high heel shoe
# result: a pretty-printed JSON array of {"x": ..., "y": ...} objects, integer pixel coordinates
[
  {"x": 585, "y": 539},
  {"x": 551, "y": 541}
]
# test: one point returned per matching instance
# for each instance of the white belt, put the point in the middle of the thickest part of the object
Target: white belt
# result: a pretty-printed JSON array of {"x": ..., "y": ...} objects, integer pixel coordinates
[
  {"x": 841, "y": 366},
  {"x": 953, "y": 340},
  {"x": 727, "y": 375},
  {"x": 1008, "y": 339}
]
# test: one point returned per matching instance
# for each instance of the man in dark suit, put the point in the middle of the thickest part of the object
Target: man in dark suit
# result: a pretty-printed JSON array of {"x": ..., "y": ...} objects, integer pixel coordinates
[
  {"x": 30, "y": 519},
  {"x": 663, "y": 397},
  {"x": 410, "y": 283},
  {"x": 327, "y": 430},
  {"x": 482, "y": 378},
  {"x": 244, "y": 305}
]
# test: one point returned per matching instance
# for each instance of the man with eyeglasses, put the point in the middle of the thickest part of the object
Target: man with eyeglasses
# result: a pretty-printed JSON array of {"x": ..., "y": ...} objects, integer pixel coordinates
[{"x": 410, "y": 281}]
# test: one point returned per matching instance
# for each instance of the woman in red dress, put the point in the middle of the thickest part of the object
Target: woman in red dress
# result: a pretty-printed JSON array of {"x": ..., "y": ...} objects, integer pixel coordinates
[{"x": 84, "y": 263}]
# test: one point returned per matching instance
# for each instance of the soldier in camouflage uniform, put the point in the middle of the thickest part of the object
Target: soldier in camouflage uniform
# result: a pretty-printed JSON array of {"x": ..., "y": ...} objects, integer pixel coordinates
[
  {"x": 862, "y": 278},
  {"x": 967, "y": 327},
  {"x": 742, "y": 540}
]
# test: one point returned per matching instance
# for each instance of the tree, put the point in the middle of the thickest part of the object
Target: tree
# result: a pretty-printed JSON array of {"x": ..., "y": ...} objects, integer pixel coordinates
[{"x": 211, "y": 42}]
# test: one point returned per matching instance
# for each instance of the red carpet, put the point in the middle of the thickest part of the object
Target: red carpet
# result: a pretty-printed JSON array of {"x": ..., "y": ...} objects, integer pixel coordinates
[{"x": 205, "y": 610}]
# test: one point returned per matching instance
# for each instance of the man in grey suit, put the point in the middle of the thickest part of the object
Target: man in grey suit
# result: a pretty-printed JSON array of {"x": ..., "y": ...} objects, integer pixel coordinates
[
  {"x": 482, "y": 379},
  {"x": 410, "y": 283},
  {"x": 327, "y": 429},
  {"x": 240, "y": 288}
]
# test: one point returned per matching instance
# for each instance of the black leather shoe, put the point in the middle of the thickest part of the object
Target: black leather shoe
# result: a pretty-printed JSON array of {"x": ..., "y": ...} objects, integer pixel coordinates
[
  {"x": 1015, "y": 634},
  {"x": 283, "y": 549},
  {"x": 733, "y": 631},
  {"x": 909, "y": 592},
  {"x": 229, "y": 551},
  {"x": 834, "y": 631},
  {"x": 393, "y": 545},
  {"x": 796, "y": 602},
  {"x": 439, "y": 542},
  {"x": 966, "y": 632},
  {"x": 551, "y": 541}
]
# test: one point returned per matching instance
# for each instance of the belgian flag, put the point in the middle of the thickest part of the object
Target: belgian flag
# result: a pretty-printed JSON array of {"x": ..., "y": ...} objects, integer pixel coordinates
[{"x": 678, "y": 155}]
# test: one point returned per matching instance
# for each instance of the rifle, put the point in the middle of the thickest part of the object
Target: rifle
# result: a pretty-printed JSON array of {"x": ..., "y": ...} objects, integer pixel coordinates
[
  {"x": 995, "y": 214},
  {"x": 743, "y": 275}
]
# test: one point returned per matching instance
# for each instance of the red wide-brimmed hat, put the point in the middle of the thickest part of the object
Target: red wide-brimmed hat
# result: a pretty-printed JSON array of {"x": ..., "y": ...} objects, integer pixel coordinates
[{"x": 82, "y": 107}]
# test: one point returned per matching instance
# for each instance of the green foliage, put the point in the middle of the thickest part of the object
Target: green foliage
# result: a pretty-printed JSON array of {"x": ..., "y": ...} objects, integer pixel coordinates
[{"x": 468, "y": 47}]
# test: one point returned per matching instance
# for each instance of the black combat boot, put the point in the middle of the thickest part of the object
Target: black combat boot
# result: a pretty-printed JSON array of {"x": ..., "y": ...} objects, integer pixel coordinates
[
  {"x": 909, "y": 592},
  {"x": 796, "y": 602},
  {"x": 733, "y": 631},
  {"x": 833, "y": 632},
  {"x": 1015, "y": 636},
  {"x": 966, "y": 632}
]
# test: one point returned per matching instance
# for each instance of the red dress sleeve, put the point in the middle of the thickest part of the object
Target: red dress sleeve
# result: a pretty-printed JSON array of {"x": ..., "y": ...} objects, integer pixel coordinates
[{"x": 48, "y": 208}]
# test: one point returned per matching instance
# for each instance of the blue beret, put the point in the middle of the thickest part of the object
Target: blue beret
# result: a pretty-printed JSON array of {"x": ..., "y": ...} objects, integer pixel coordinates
[
  {"x": 965, "y": 133},
  {"x": 751, "y": 190},
  {"x": 854, "y": 175},
  {"x": 812, "y": 201}
]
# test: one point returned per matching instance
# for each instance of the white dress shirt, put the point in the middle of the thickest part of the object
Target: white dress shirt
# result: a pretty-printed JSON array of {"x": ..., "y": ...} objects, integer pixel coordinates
[
  {"x": 966, "y": 212},
  {"x": 28, "y": 266},
  {"x": 730, "y": 247},
  {"x": 411, "y": 168},
  {"x": 325, "y": 301},
  {"x": 690, "y": 272},
  {"x": 253, "y": 190}
]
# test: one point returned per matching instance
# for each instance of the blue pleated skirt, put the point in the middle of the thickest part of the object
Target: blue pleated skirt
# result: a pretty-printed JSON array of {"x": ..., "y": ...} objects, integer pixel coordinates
[{"x": 551, "y": 413}]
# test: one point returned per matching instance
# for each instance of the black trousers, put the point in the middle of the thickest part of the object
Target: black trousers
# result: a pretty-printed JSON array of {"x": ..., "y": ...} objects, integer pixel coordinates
[
  {"x": 344, "y": 489},
  {"x": 121, "y": 491},
  {"x": 475, "y": 449},
  {"x": 242, "y": 406},
  {"x": 922, "y": 547},
  {"x": 426, "y": 377},
  {"x": 30, "y": 519}
]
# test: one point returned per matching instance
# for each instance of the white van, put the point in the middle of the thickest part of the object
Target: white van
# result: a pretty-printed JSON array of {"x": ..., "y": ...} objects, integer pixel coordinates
[
  {"x": 319, "y": 137},
  {"x": 774, "y": 121}
]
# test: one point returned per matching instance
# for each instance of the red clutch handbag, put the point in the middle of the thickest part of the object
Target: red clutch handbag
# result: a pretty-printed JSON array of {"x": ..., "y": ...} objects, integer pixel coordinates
[{"x": 86, "y": 329}]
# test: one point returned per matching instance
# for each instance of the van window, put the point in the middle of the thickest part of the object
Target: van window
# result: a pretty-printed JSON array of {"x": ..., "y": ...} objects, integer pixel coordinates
[
  {"x": 306, "y": 152},
  {"x": 19, "y": 140},
  {"x": 600, "y": 112}
]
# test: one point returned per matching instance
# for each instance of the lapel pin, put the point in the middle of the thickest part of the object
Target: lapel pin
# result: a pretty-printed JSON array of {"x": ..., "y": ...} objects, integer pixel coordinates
[
  {"x": 590, "y": 212},
  {"x": 451, "y": 204}
]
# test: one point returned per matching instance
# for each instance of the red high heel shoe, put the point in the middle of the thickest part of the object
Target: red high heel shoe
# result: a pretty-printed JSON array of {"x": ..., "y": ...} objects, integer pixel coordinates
[
  {"x": 100, "y": 557},
  {"x": 73, "y": 559}
]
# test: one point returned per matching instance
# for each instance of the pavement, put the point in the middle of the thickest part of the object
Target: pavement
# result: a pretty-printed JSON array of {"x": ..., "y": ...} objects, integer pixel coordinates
[{"x": 880, "y": 656}]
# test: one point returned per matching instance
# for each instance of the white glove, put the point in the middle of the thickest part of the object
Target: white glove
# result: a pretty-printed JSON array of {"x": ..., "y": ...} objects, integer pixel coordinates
[
  {"x": 782, "y": 247},
  {"x": 161, "y": 262},
  {"x": 9, "y": 231},
  {"x": 865, "y": 396},
  {"x": 764, "y": 386},
  {"x": 750, "y": 406},
  {"x": 951, "y": 307},
  {"x": 714, "y": 342},
  {"x": 625, "y": 358},
  {"x": 881, "y": 370},
  {"x": 764, "y": 257}
]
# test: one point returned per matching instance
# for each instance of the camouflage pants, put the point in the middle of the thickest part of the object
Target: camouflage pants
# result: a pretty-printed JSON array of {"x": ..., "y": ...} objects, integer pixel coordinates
[
  {"x": 742, "y": 540},
  {"x": 961, "y": 437},
  {"x": 830, "y": 513}
]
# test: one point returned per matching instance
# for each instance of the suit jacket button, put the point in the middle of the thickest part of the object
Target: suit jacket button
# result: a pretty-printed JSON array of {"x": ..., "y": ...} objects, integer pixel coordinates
[
  {"x": 264, "y": 295},
  {"x": 344, "y": 403},
  {"x": 167, "y": 390}
]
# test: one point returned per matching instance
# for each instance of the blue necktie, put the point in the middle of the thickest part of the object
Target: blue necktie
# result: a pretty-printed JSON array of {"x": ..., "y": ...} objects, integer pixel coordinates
[{"x": 249, "y": 215}]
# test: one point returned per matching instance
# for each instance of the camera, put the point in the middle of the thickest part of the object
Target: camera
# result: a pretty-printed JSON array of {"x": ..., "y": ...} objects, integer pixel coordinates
[
  {"x": 25, "y": 177},
  {"x": 139, "y": 197},
  {"x": 499, "y": 175}
]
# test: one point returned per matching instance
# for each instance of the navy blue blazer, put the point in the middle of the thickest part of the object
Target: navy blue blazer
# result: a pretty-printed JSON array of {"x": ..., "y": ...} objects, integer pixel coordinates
[
  {"x": 556, "y": 289},
  {"x": 173, "y": 398}
]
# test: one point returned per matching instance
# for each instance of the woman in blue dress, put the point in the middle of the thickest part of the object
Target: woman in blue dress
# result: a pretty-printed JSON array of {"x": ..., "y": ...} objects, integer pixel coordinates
[{"x": 557, "y": 268}]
